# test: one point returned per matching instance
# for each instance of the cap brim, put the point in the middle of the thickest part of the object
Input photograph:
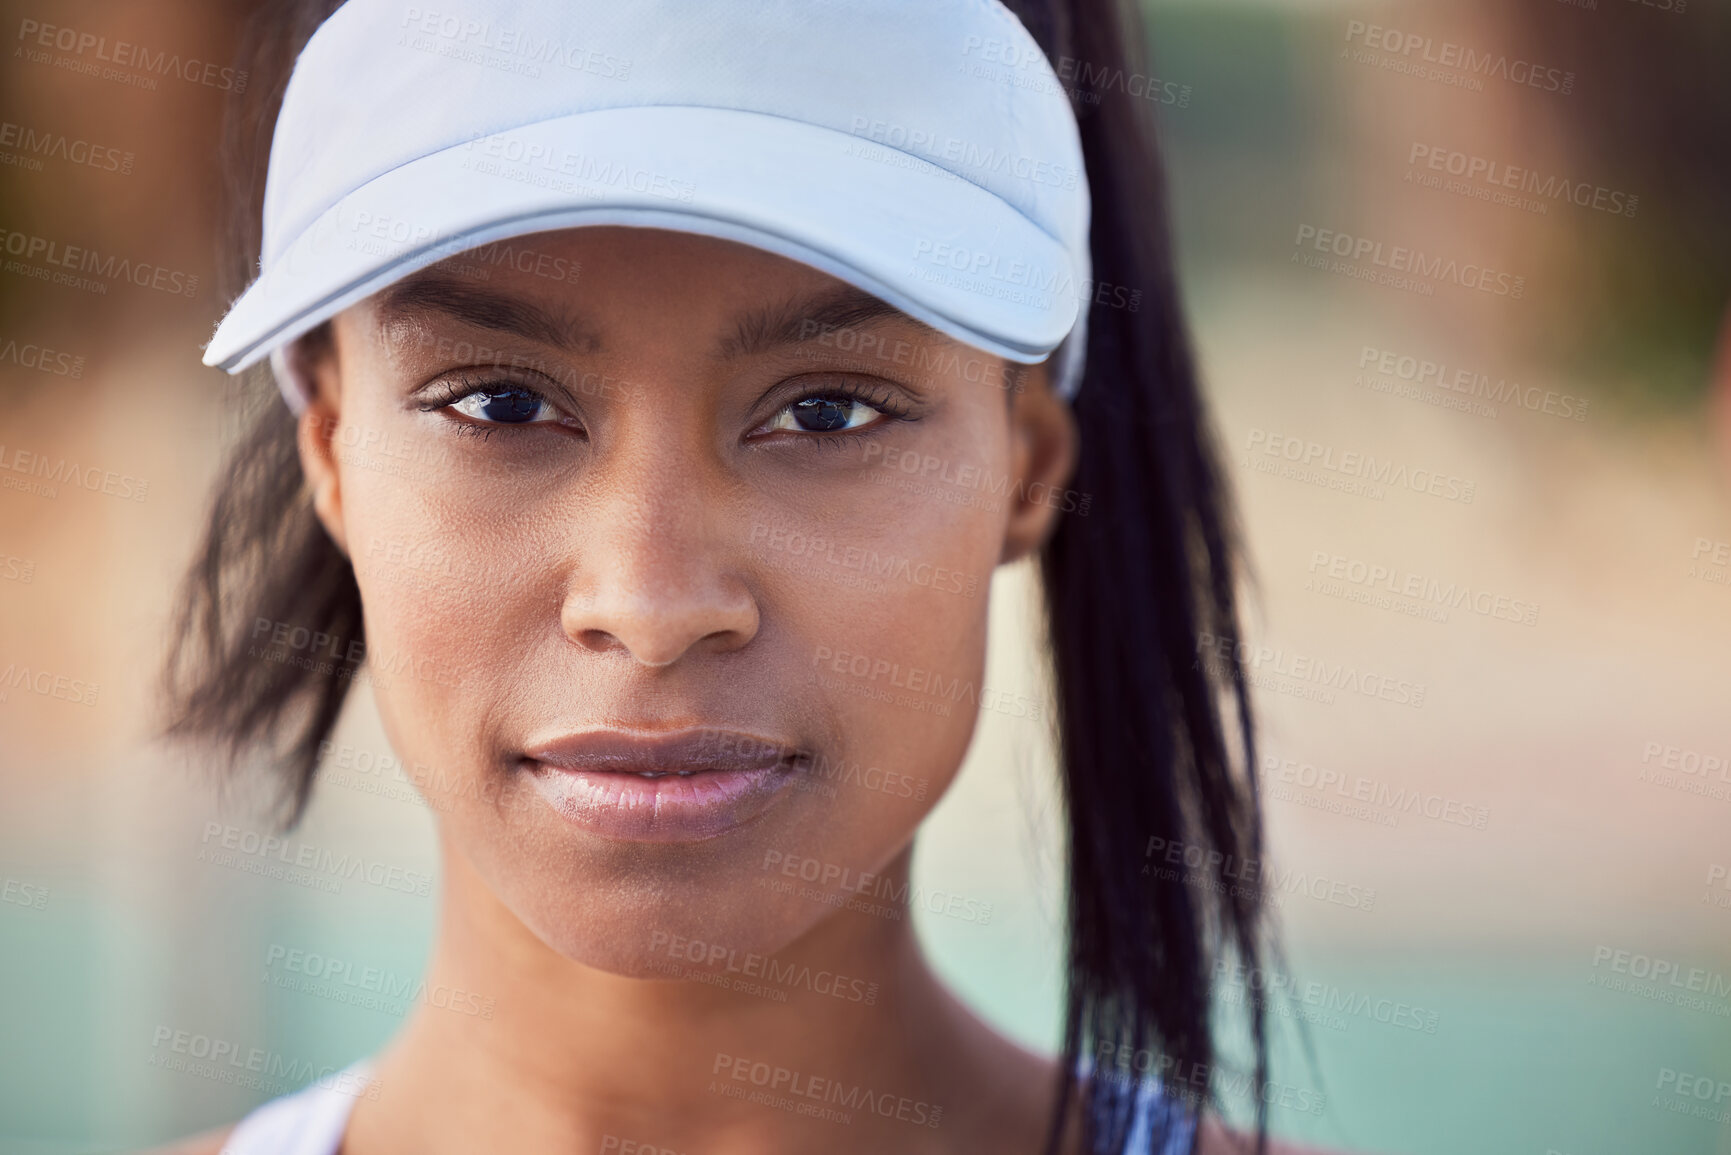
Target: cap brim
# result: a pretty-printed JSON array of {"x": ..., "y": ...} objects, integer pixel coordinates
[{"x": 940, "y": 248}]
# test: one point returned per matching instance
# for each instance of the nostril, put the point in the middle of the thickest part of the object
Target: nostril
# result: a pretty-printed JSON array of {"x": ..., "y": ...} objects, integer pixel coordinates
[
  {"x": 599, "y": 641},
  {"x": 656, "y": 621}
]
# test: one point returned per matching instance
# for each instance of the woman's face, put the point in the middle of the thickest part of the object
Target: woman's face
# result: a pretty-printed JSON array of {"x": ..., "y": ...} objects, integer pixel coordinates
[{"x": 674, "y": 556}]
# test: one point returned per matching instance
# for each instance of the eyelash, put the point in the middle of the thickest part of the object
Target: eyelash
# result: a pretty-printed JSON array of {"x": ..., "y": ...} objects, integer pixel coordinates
[
  {"x": 448, "y": 392},
  {"x": 882, "y": 398}
]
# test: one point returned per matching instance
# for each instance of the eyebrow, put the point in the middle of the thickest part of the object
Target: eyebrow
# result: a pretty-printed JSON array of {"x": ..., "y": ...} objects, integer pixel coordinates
[
  {"x": 758, "y": 331},
  {"x": 488, "y": 310},
  {"x": 808, "y": 318}
]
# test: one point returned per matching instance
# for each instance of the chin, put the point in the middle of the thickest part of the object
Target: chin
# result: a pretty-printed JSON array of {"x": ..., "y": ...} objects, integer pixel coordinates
[{"x": 650, "y": 925}]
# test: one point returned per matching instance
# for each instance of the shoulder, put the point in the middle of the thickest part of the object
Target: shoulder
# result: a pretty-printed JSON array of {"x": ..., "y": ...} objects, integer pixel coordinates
[
  {"x": 204, "y": 1143},
  {"x": 1217, "y": 1139},
  {"x": 309, "y": 1121}
]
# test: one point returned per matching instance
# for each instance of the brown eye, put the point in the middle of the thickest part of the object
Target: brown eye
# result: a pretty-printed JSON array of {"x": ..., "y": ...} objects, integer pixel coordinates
[
  {"x": 505, "y": 407},
  {"x": 827, "y": 413}
]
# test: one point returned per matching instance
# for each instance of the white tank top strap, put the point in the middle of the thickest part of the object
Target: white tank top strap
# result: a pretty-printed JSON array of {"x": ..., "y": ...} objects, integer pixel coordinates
[{"x": 311, "y": 1121}]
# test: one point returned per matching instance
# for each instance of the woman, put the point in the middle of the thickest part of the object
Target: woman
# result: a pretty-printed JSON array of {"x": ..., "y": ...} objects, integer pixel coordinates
[{"x": 607, "y": 336}]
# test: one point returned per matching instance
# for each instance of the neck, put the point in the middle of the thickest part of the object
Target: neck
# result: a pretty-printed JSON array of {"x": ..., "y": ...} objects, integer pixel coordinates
[{"x": 767, "y": 1055}]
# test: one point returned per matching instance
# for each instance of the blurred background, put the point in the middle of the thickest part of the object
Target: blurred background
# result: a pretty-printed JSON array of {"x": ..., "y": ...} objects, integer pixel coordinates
[{"x": 1530, "y": 947}]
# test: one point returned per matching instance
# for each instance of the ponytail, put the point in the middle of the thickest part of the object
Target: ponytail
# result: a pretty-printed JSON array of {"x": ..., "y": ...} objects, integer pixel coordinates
[{"x": 1134, "y": 592}]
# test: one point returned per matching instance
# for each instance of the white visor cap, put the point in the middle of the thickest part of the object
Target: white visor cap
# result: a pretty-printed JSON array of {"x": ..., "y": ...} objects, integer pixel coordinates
[{"x": 920, "y": 150}]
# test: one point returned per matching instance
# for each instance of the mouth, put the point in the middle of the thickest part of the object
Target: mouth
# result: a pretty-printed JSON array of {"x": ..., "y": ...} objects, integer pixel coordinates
[{"x": 661, "y": 786}]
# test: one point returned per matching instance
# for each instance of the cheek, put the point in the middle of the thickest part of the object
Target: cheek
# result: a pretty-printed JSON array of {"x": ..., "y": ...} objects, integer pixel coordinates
[
  {"x": 889, "y": 605},
  {"x": 444, "y": 561}
]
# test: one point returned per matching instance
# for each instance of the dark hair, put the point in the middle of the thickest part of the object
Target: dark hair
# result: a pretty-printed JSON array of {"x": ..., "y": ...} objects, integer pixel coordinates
[
  {"x": 264, "y": 556},
  {"x": 1147, "y": 723},
  {"x": 1132, "y": 593}
]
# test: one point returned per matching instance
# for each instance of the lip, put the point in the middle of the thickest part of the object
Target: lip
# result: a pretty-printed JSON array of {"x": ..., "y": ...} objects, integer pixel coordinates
[{"x": 711, "y": 780}]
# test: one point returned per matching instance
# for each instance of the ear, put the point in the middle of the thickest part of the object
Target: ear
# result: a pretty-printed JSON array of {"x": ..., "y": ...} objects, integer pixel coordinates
[
  {"x": 1042, "y": 460},
  {"x": 315, "y": 433}
]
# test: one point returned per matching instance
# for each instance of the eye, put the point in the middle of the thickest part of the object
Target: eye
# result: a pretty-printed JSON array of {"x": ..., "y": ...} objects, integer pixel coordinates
[
  {"x": 826, "y": 415},
  {"x": 507, "y": 406},
  {"x": 837, "y": 410},
  {"x": 480, "y": 406}
]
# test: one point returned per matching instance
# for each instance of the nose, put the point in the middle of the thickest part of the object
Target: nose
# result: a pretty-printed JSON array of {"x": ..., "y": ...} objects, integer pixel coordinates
[{"x": 657, "y": 575}]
